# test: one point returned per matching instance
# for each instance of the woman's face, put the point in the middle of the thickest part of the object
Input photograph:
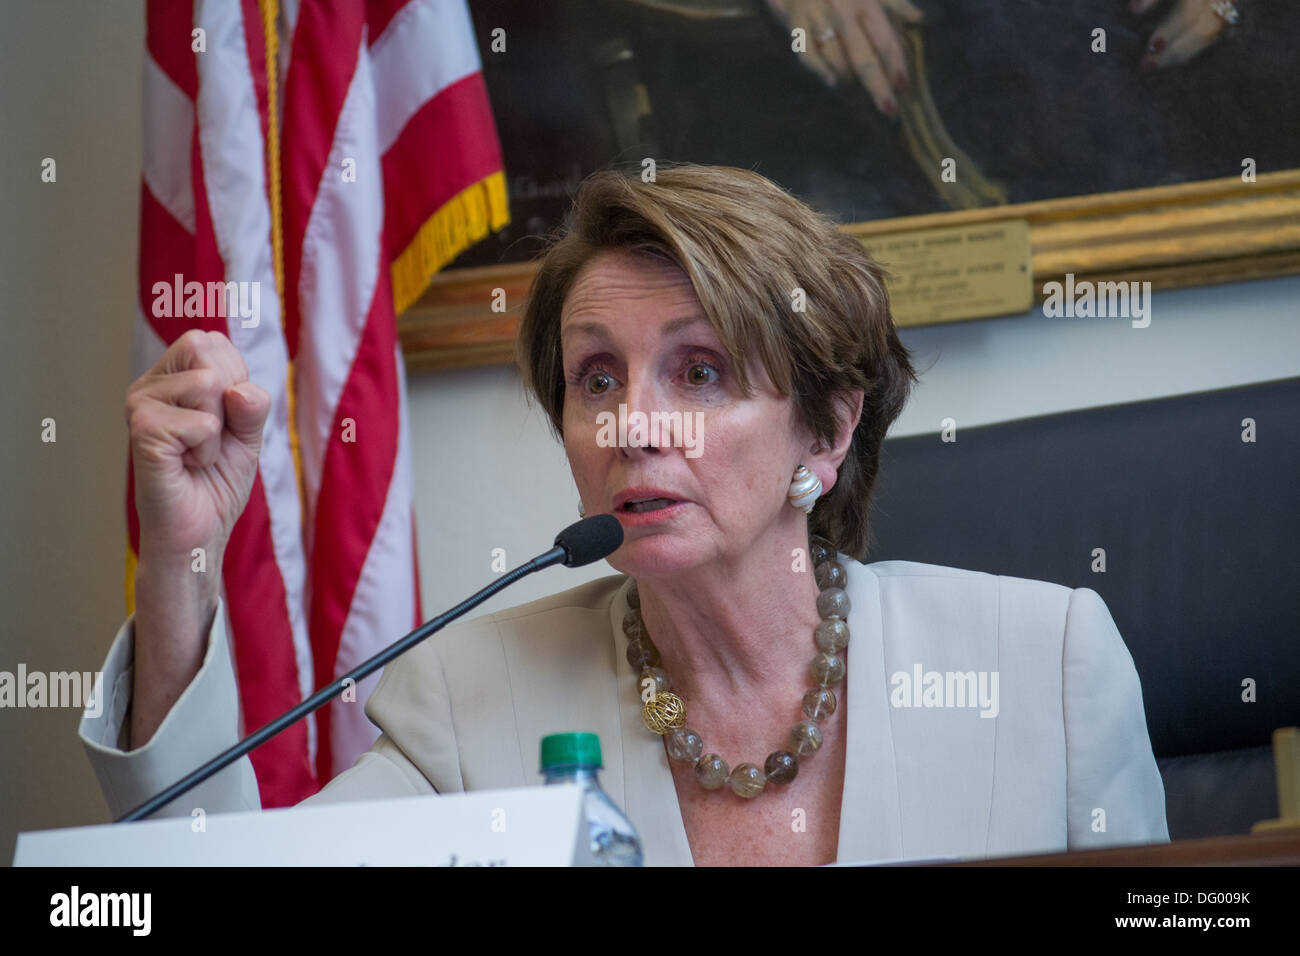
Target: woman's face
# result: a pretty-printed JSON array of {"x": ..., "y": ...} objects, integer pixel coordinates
[{"x": 718, "y": 465}]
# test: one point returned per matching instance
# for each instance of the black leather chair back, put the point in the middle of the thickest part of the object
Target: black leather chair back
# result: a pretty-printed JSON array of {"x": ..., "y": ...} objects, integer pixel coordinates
[{"x": 1201, "y": 532}]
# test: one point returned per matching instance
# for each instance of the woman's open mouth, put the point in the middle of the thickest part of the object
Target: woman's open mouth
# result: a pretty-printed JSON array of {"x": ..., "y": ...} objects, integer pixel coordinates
[{"x": 638, "y": 505}]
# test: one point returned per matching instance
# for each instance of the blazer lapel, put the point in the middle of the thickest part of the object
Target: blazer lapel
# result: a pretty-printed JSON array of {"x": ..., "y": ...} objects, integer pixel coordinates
[
  {"x": 645, "y": 791},
  {"x": 938, "y": 627},
  {"x": 870, "y": 817}
]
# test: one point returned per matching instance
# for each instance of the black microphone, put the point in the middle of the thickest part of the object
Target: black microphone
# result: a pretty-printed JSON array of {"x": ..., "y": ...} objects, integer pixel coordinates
[
  {"x": 590, "y": 540},
  {"x": 581, "y": 543}
]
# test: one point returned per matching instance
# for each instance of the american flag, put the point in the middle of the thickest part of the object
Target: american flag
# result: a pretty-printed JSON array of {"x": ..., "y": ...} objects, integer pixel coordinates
[{"x": 335, "y": 154}]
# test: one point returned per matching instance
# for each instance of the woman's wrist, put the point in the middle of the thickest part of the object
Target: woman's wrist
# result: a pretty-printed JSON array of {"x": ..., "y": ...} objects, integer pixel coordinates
[{"x": 175, "y": 604}]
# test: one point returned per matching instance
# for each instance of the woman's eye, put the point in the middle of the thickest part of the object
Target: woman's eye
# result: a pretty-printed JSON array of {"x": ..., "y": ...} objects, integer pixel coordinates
[
  {"x": 701, "y": 373},
  {"x": 598, "y": 384}
]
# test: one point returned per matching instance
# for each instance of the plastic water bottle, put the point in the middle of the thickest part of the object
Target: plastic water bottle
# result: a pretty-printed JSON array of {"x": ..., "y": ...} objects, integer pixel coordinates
[{"x": 575, "y": 758}]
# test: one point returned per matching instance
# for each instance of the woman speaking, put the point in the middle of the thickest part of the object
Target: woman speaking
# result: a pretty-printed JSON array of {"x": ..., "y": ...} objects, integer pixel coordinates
[{"x": 721, "y": 366}]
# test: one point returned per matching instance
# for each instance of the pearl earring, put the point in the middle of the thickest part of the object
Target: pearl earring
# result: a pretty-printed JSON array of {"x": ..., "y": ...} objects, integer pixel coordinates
[
  {"x": 581, "y": 513},
  {"x": 805, "y": 489}
]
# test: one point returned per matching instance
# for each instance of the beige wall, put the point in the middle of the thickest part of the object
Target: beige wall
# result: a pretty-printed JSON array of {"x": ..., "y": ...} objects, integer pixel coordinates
[
  {"x": 488, "y": 473},
  {"x": 69, "y": 89}
]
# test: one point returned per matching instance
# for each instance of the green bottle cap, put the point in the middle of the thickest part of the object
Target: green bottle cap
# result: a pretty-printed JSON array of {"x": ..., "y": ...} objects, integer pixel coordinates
[{"x": 570, "y": 750}]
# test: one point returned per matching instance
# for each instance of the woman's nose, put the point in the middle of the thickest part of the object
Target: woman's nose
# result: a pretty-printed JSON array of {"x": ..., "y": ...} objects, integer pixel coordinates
[{"x": 645, "y": 408}]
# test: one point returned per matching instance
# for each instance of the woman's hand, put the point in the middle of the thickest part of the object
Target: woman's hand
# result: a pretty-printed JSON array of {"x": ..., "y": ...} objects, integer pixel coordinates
[
  {"x": 853, "y": 40},
  {"x": 195, "y": 425},
  {"x": 1192, "y": 26},
  {"x": 196, "y": 429}
]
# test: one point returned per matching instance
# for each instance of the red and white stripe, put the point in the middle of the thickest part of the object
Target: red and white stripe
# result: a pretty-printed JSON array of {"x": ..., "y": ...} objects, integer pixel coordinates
[
  {"x": 205, "y": 215},
  {"x": 320, "y": 571}
]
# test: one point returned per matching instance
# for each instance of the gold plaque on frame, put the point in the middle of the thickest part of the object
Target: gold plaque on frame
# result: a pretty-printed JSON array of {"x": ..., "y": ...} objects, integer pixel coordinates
[{"x": 957, "y": 272}]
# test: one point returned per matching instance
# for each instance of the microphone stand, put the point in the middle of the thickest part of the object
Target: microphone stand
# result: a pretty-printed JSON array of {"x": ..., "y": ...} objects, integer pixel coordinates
[{"x": 556, "y": 555}]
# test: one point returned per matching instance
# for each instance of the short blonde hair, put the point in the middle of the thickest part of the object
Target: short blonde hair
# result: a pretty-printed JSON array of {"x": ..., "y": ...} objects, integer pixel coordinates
[{"x": 747, "y": 246}]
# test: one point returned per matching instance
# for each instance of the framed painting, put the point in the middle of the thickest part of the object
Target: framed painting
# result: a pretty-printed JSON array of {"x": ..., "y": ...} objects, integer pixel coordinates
[{"x": 1102, "y": 144}]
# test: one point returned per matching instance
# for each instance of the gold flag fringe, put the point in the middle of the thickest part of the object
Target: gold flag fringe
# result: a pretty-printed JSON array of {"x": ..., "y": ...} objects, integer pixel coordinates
[{"x": 459, "y": 223}]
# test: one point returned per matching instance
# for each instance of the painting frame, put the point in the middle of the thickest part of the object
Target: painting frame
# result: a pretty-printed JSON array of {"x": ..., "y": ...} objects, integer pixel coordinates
[{"x": 1175, "y": 236}]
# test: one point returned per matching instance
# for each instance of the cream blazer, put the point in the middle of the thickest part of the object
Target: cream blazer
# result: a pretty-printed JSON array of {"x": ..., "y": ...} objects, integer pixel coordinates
[{"x": 1065, "y": 763}]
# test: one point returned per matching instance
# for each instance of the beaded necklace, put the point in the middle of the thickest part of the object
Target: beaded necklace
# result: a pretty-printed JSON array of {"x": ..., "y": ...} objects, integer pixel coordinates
[{"x": 664, "y": 712}]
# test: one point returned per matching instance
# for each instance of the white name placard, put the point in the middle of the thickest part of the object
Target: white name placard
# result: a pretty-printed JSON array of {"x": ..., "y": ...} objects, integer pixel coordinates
[{"x": 531, "y": 826}]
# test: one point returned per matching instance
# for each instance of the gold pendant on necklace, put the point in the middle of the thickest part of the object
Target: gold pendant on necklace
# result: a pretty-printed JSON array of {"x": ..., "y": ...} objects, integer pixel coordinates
[{"x": 664, "y": 712}]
